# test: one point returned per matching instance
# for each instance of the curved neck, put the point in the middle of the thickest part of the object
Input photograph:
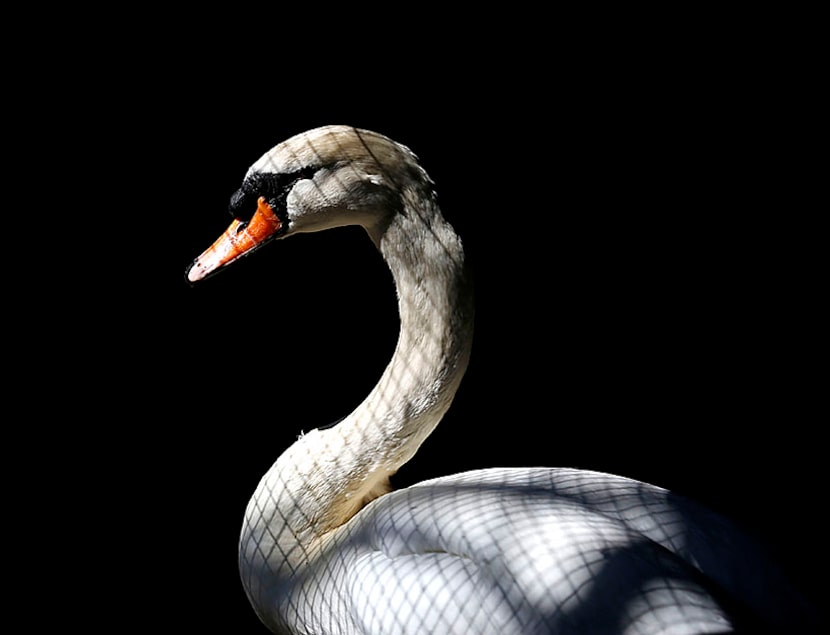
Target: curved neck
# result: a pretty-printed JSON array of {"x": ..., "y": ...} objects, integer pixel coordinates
[
  {"x": 435, "y": 305},
  {"x": 324, "y": 478},
  {"x": 436, "y": 313}
]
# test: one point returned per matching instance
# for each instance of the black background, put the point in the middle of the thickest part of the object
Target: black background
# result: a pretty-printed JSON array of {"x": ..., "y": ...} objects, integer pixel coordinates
[{"x": 643, "y": 296}]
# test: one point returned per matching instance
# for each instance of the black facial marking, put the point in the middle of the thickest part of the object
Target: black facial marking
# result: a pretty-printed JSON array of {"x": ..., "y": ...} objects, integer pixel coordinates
[{"x": 273, "y": 187}]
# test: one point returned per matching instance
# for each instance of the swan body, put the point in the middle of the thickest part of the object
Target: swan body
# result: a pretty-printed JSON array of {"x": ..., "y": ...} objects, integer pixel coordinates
[{"x": 327, "y": 548}]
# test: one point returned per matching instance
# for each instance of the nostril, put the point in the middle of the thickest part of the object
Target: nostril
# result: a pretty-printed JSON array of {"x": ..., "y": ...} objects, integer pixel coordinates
[{"x": 241, "y": 227}]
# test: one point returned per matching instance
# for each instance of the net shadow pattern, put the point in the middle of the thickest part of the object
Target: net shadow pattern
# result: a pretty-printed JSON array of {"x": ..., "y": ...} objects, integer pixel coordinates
[
  {"x": 503, "y": 551},
  {"x": 529, "y": 551}
]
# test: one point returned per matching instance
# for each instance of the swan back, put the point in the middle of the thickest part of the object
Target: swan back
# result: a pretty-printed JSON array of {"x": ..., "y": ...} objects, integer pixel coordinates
[{"x": 512, "y": 551}]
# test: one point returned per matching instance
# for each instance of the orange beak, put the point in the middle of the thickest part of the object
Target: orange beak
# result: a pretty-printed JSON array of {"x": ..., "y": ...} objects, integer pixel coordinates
[{"x": 239, "y": 239}]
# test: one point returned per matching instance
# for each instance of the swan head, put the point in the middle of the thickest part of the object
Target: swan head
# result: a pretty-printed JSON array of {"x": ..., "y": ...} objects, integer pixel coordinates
[{"x": 323, "y": 178}]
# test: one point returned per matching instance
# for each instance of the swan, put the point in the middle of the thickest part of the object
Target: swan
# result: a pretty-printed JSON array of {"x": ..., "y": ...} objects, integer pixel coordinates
[{"x": 328, "y": 547}]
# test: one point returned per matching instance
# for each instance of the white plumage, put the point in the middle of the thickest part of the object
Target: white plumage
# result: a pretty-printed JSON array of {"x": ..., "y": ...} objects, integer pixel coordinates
[{"x": 326, "y": 548}]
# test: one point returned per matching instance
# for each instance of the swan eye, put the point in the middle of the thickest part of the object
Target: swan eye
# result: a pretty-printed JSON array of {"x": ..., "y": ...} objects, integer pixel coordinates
[{"x": 242, "y": 205}]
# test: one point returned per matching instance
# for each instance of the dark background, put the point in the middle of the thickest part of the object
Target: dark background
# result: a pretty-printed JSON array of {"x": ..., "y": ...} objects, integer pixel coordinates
[{"x": 645, "y": 303}]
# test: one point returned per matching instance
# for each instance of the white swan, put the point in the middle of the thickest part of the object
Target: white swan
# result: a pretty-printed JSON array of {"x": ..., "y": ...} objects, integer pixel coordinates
[{"x": 326, "y": 548}]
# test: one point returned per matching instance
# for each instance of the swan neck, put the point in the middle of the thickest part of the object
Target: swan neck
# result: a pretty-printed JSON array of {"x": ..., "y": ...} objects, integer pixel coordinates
[
  {"x": 435, "y": 305},
  {"x": 328, "y": 475},
  {"x": 427, "y": 262}
]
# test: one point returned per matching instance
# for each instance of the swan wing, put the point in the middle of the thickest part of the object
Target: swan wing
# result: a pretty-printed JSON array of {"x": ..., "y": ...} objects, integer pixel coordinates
[{"x": 524, "y": 551}]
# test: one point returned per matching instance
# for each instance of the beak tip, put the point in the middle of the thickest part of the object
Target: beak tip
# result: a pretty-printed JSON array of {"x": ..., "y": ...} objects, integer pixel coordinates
[{"x": 195, "y": 272}]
